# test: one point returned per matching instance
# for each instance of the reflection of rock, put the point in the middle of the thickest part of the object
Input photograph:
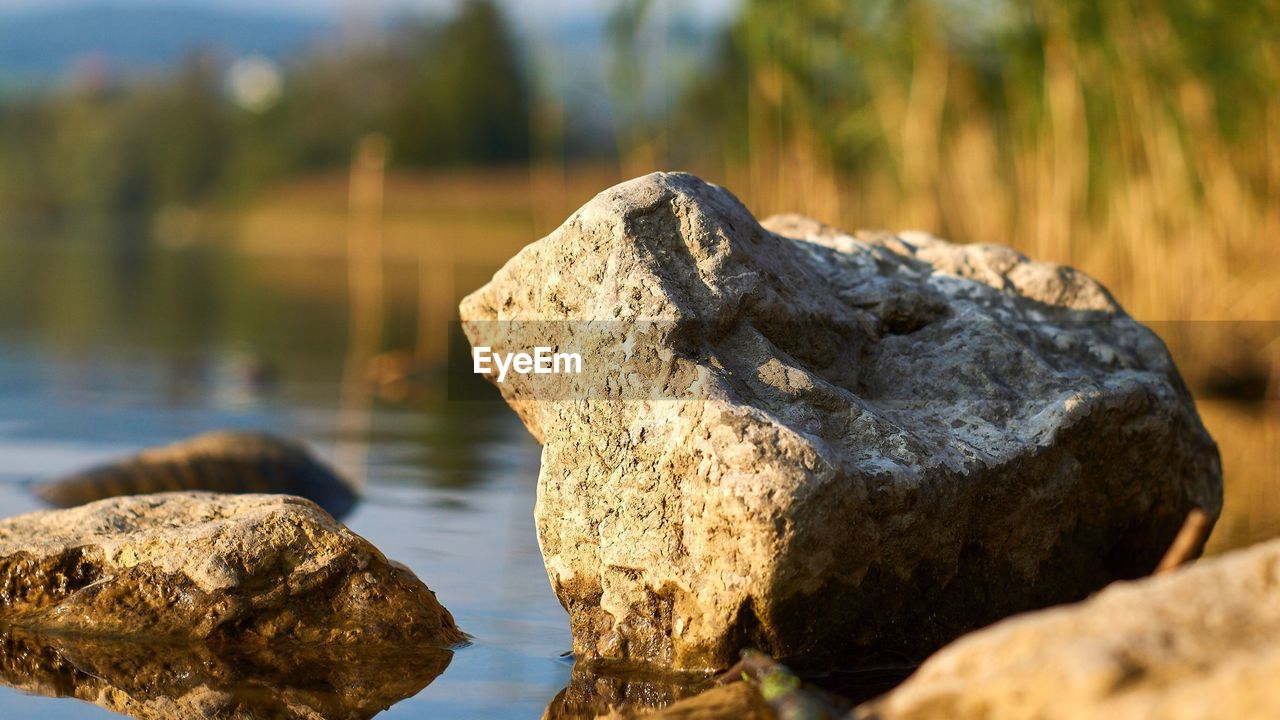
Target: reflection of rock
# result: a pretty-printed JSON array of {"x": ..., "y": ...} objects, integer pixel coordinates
[
  {"x": 735, "y": 701},
  {"x": 173, "y": 682},
  {"x": 1197, "y": 643},
  {"x": 756, "y": 688},
  {"x": 227, "y": 462},
  {"x": 818, "y": 444},
  {"x": 593, "y": 692},
  {"x": 228, "y": 568}
]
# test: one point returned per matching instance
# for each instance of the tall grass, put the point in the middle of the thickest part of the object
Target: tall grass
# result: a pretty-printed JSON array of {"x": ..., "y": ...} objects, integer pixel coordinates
[{"x": 1137, "y": 139}]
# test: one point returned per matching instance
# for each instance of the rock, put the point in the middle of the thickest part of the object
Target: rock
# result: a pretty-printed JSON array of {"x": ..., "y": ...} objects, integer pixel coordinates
[
  {"x": 221, "y": 461},
  {"x": 1197, "y": 643},
  {"x": 821, "y": 445},
  {"x": 165, "y": 681},
  {"x": 230, "y": 569}
]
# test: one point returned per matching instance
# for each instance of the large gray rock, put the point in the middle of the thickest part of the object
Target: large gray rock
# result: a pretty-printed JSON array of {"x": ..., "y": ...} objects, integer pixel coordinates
[
  {"x": 1198, "y": 643},
  {"x": 825, "y": 445},
  {"x": 227, "y": 569}
]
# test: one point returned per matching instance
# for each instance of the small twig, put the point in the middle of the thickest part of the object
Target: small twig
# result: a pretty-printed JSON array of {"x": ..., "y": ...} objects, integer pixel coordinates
[{"x": 1189, "y": 542}]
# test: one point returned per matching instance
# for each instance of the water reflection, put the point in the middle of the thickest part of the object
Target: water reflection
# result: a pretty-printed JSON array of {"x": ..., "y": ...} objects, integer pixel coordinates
[
  {"x": 600, "y": 691},
  {"x": 159, "y": 682}
]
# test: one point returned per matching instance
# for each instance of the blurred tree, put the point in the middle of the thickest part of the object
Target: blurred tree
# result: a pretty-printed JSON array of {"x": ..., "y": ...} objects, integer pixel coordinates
[
  {"x": 184, "y": 129},
  {"x": 464, "y": 97},
  {"x": 623, "y": 30},
  {"x": 446, "y": 94}
]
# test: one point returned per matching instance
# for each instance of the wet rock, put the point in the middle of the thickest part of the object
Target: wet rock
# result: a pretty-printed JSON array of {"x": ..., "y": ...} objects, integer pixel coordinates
[
  {"x": 221, "y": 461},
  {"x": 164, "y": 681},
  {"x": 232, "y": 569},
  {"x": 819, "y": 444},
  {"x": 1196, "y": 643}
]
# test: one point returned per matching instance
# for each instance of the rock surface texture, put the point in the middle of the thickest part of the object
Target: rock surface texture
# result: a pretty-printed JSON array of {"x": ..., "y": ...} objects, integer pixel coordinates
[
  {"x": 221, "y": 461},
  {"x": 1198, "y": 643},
  {"x": 824, "y": 445},
  {"x": 229, "y": 569}
]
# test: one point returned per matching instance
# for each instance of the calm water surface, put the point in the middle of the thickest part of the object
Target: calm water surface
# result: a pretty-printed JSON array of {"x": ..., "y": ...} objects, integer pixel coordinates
[{"x": 103, "y": 353}]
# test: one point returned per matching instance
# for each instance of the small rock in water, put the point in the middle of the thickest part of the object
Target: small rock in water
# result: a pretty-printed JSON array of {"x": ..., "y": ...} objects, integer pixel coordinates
[
  {"x": 827, "y": 445},
  {"x": 1196, "y": 643},
  {"x": 227, "y": 569},
  {"x": 221, "y": 461}
]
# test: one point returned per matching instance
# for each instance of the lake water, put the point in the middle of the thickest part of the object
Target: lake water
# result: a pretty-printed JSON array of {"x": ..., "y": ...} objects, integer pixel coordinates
[
  {"x": 109, "y": 346},
  {"x": 103, "y": 353}
]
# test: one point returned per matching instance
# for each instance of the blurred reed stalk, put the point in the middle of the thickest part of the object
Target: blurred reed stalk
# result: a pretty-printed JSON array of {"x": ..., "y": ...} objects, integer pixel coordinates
[{"x": 366, "y": 300}]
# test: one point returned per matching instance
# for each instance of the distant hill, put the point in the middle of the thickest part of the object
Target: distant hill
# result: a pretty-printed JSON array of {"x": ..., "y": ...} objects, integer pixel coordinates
[{"x": 46, "y": 44}]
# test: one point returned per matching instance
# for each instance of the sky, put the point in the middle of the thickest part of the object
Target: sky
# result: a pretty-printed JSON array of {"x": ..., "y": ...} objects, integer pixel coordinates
[{"x": 524, "y": 10}]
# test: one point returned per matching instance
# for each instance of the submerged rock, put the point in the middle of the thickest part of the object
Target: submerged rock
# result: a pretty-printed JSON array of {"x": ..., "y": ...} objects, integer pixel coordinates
[
  {"x": 822, "y": 445},
  {"x": 230, "y": 569},
  {"x": 221, "y": 461},
  {"x": 164, "y": 681},
  {"x": 1197, "y": 643}
]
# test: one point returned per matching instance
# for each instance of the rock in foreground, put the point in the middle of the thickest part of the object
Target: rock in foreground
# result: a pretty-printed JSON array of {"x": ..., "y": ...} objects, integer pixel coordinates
[
  {"x": 821, "y": 445},
  {"x": 240, "y": 569},
  {"x": 221, "y": 461},
  {"x": 1198, "y": 643}
]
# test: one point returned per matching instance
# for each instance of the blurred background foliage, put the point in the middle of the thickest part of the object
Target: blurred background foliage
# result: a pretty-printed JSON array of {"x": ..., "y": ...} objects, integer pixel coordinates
[
  {"x": 445, "y": 93},
  {"x": 1109, "y": 133},
  {"x": 1136, "y": 138}
]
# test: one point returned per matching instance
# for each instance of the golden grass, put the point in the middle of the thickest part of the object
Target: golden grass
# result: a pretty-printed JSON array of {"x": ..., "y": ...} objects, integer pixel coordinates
[
  {"x": 1109, "y": 156},
  {"x": 478, "y": 218}
]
